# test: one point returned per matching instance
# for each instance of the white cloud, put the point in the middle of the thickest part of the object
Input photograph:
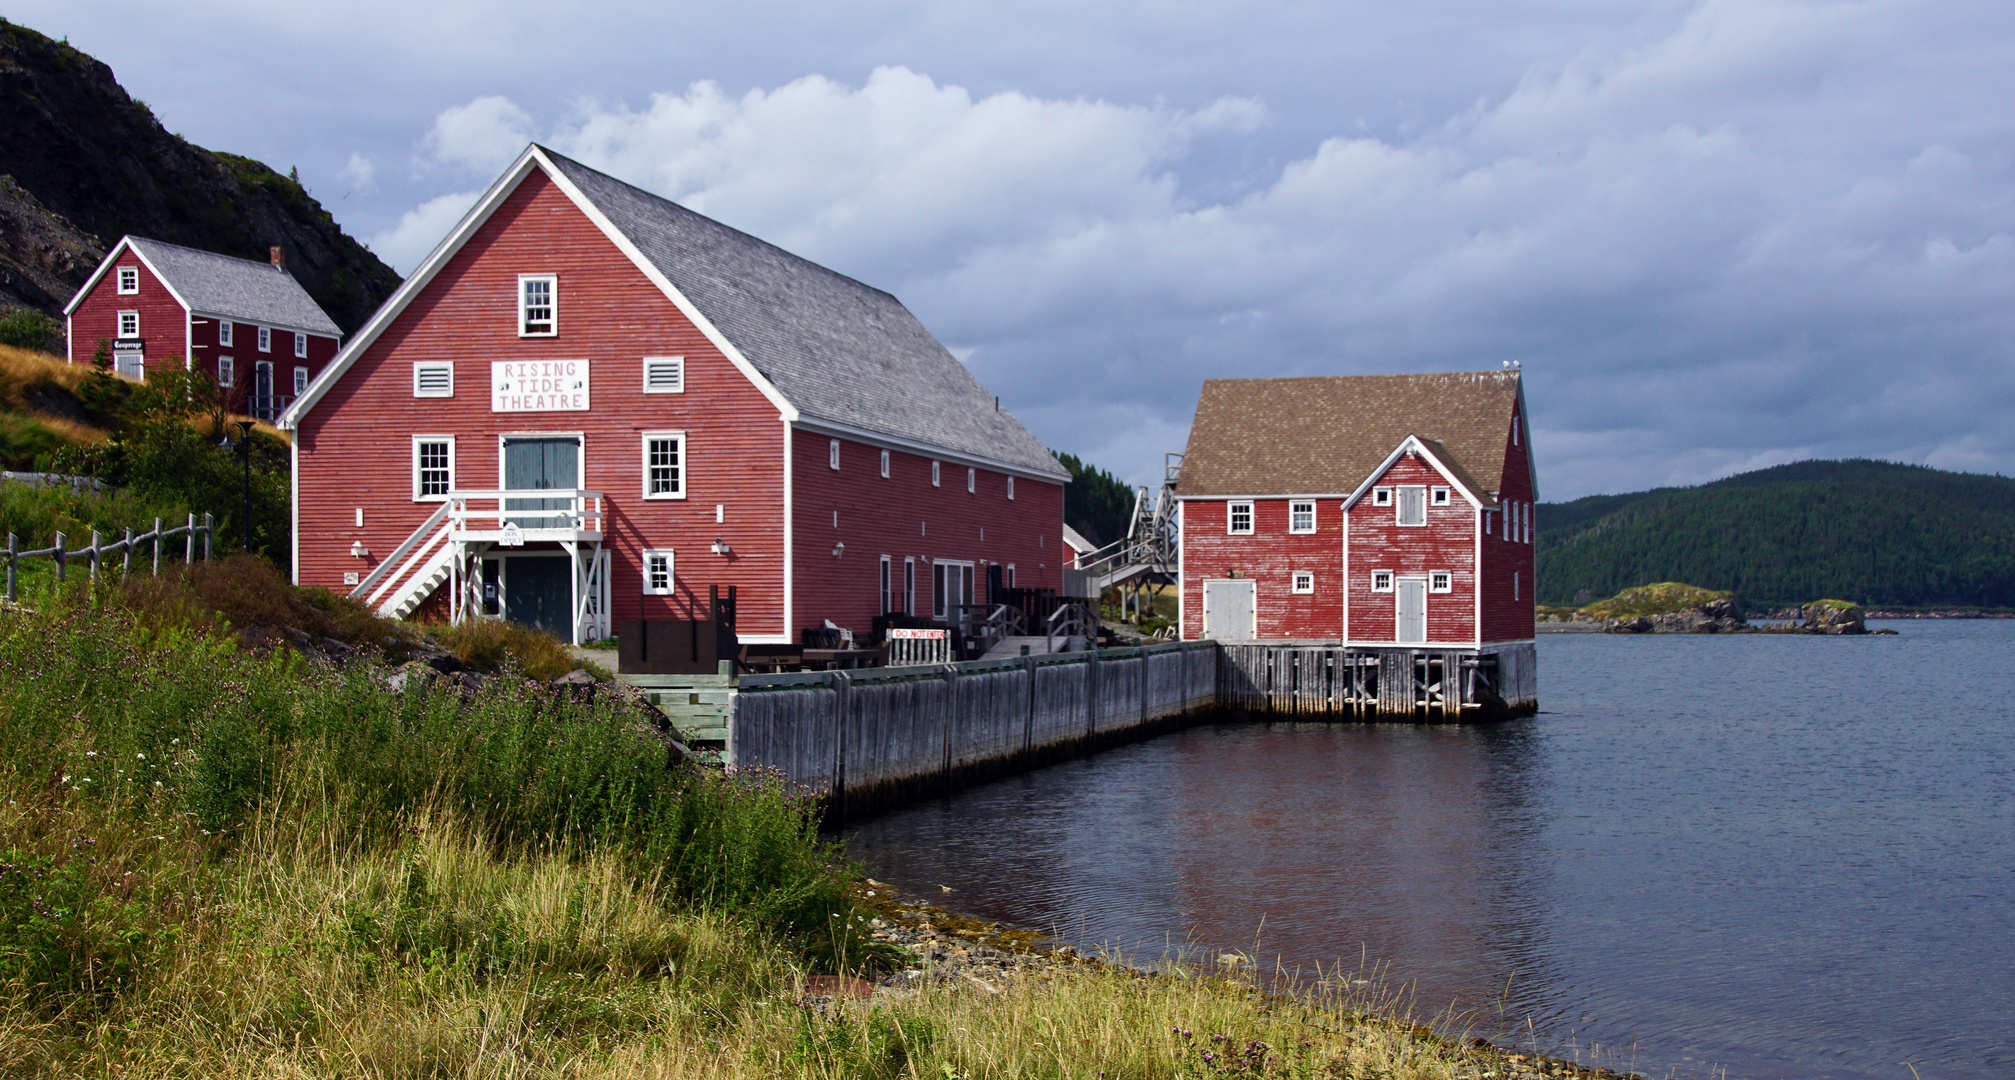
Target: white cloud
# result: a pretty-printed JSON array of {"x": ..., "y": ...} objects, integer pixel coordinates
[
  {"x": 480, "y": 137},
  {"x": 403, "y": 245},
  {"x": 358, "y": 175}
]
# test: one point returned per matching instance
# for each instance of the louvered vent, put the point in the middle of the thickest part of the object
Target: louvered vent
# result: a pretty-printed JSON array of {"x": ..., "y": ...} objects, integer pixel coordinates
[
  {"x": 664, "y": 375},
  {"x": 433, "y": 380}
]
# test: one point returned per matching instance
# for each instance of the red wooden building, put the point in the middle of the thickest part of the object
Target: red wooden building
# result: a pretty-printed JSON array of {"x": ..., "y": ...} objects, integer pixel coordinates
[
  {"x": 247, "y": 324},
  {"x": 1382, "y": 511},
  {"x": 693, "y": 407}
]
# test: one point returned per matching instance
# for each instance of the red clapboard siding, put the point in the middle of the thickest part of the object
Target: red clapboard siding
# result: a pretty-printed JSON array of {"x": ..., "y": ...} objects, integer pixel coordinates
[
  {"x": 1446, "y": 542},
  {"x": 163, "y": 322},
  {"x": 1507, "y": 610},
  {"x": 355, "y": 445},
  {"x": 903, "y": 516},
  {"x": 1269, "y": 556}
]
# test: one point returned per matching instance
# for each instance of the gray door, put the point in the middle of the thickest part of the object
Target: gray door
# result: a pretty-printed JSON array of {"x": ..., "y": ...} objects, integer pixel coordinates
[
  {"x": 1228, "y": 611},
  {"x": 539, "y": 591},
  {"x": 535, "y": 464},
  {"x": 1412, "y": 610}
]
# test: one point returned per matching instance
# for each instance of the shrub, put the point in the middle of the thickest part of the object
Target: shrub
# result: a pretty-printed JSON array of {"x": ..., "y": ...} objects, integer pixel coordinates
[
  {"x": 28, "y": 329},
  {"x": 491, "y": 644}
]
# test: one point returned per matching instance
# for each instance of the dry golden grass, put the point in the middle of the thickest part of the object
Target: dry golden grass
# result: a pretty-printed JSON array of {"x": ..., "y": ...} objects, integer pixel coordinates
[{"x": 23, "y": 367}]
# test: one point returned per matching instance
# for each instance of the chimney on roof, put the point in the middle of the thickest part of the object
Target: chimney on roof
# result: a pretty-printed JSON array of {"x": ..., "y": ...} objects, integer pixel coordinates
[{"x": 279, "y": 256}]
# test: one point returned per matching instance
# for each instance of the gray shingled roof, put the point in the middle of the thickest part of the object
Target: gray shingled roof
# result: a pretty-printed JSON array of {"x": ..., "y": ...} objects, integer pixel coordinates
[
  {"x": 1325, "y": 435},
  {"x": 838, "y": 350},
  {"x": 235, "y": 288}
]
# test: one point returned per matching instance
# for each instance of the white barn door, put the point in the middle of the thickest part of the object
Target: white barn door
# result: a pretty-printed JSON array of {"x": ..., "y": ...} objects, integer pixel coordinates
[
  {"x": 1412, "y": 611},
  {"x": 1229, "y": 613}
]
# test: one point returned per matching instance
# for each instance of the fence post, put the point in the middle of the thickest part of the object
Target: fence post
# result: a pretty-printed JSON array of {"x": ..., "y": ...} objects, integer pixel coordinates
[
  {"x": 94, "y": 554},
  {"x": 62, "y": 558},
  {"x": 189, "y": 543},
  {"x": 11, "y": 548},
  {"x": 126, "y": 564},
  {"x": 209, "y": 534},
  {"x": 157, "y": 547}
]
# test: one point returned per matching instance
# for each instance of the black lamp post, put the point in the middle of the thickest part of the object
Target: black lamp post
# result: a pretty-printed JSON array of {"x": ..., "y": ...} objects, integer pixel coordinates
[{"x": 244, "y": 448}]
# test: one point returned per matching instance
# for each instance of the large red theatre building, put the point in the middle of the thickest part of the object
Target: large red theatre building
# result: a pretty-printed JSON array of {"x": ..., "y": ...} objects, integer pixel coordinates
[
  {"x": 590, "y": 405},
  {"x": 1379, "y": 511}
]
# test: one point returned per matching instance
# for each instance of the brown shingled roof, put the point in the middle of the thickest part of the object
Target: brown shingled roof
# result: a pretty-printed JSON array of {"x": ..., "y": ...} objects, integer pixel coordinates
[{"x": 1324, "y": 436}]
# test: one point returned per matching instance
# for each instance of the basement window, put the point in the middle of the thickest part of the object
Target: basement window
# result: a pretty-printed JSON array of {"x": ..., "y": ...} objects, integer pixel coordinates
[
  {"x": 1381, "y": 581},
  {"x": 1440, "y": 581},
  {"x": 129, "y": 280},
  {"x": 1381, "y": 496},
  {"x": 537, "y": 315},
  {"x": 433, "y": 467},
  {"x": 1238, "y": 519},
  {"x": 1301, "y": 517},
  {"x": 1304, "y": 581},
  {"x": 434, "y": 380},
  {"x": 658, "y": 572},
  {"x": 664, "y": 374}
]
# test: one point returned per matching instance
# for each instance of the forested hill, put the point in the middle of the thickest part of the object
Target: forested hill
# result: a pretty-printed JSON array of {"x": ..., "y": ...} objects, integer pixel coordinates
[
  {"x": 1876, "y": 533},
  {"x": 1095, "y": 502},
  {"x": 82, "y": 163}
]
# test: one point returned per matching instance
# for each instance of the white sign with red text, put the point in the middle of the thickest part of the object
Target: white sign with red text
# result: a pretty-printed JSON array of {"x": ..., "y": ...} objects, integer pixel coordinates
[
  {"x": 539, "y": 386},
  {"x": 903, "y": 634}
]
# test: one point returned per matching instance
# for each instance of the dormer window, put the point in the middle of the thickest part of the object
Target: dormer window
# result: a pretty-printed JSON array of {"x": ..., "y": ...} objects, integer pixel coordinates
[
  {"x": 129, "y": 280},
  {"x": 265, "y": 339},
  {"x": 537, "y": 307},
  {"x": 224, "y": 332}
]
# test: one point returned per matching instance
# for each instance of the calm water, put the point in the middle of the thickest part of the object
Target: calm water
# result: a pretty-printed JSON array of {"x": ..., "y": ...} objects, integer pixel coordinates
[{"x": 1764, "y": 856}]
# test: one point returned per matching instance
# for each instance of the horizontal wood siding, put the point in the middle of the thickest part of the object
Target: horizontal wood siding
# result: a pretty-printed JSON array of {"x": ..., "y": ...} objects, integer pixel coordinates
[
  {"x": 903, "y": 516},
  {"x": 1446, "y": 542},
  {"x": 162, "y": 318},
  {"x": 1269, "y": 556},
  {"x": 1507, "y": 612},
  {"x": 355, "y": 446},
  {"x": 244, "y": 352}
]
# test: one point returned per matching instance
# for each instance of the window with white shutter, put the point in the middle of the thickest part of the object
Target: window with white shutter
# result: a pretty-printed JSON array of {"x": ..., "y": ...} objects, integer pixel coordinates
[{"x": 1412, "y": 506}]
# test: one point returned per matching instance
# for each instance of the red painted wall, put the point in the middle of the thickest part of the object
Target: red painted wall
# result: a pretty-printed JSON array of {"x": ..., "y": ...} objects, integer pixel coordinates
[
  {"x": 904, "y": 516},
  {"x": 1269, "y": 556},
  {"x": 1507, "y": 612},
  {"x": 244, "y": 352},
  {"x": 1446, "y": 542},
  {"x": 355, "y": 446},
  {"x": 162, "y": 319}
]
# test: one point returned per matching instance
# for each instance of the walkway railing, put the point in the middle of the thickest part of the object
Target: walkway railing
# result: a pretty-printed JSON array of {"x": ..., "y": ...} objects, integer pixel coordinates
[{"x": 97, "y": 552}]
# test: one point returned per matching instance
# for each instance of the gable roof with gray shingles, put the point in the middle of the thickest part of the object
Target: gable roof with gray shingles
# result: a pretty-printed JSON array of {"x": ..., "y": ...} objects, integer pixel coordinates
[
  {"x": 1326, "y": 435},
  {"x": 838, "y": 350},
  {"x": 237, "y": 289}
]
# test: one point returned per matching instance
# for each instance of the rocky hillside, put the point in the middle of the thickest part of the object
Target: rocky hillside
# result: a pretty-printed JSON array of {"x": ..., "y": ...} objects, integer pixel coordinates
[{"x": 82, "y": 163}]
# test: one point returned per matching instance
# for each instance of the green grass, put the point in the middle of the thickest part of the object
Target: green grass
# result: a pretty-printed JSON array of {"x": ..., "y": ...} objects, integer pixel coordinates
[{"x": 1656, "y": 599}]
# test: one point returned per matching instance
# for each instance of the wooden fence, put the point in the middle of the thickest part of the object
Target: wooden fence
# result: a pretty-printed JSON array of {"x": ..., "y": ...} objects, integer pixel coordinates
[
  {"x": 880, "y": 735},
  {"x": 97, "y": 552}
]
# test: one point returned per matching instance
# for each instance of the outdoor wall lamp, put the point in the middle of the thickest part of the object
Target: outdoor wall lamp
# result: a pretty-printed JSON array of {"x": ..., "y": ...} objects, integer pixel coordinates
[
  {"x": 721, "y": 547},
  {"x": 358, "y": 549},
  {"x": 839, "y": 548}
]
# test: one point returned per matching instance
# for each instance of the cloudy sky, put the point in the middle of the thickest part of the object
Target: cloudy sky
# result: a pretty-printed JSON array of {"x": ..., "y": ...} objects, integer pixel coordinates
[{"x": 1718, "y": 235}]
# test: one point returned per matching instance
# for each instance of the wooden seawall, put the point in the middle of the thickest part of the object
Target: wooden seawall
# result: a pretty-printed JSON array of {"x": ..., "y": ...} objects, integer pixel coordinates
[{"x": 1325, "y": 678}]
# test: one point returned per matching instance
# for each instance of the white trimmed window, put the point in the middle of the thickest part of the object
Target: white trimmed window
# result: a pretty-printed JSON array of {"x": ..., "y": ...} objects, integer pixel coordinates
[
  {"x": 1412, "y": 506},
  {"x": 972, "y": 480},
  {"x": 909, "y": 585},
  {"x": 664, "y": 464},
  {"x": 658, "y": 572},
  {"x": 886, "y": 569},
  {"x": 1238, "y": 519},
  {"x": 538, "y": 314},
  {"x": 224, "y": 328},
  {"x": 664, "y": 374},
  {"x": 1440, "y": 581},
  {"x": 1381, "y": 496},
  {"x": 1010, "y": 487},
  {"x": 433, "y": 467},
  {"x": 1304, "y": 581},
  {"x": 434, "y": 379},
  {"x": 265, "y": 339},
  {"x": 833, "y": 454},
  {"x": 1301, "y": 517},
  {"x": 885, "y": 464},
  {"x": 300, "y": 345},
  {"x": 300, "y": 381},
  {"x": 129, "y": 324},
  {"x": 1008, "y": 576},
  {"x": 227, "y": 370},
  {"x": 129, "y": 280},
  {"x": 1438, "y": 497},
  {"x": 934, "y": 475},
  {"x": 1381, "y": 581},
  {"x": 1514, "y": 429}
]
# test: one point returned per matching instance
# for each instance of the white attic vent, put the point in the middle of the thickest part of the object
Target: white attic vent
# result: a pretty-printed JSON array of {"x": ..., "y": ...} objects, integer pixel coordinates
[
  {"x": 664, "y": 374},
  {"x": 434, "y": 380}
]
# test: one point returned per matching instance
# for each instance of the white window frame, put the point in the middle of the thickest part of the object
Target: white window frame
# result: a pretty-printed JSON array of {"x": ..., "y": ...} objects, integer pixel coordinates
[
  {"x": 1514, "y": 429},
  {"x": 885, "y": 573},
  {"x": 420, "y": 391},
  {"x": 833, "y": 455},
  {"x": 675, "y": 384},
  {"x": 417, "y": 478},
  {"x": 1438, "y": 496},
  {"x": 265, "y": 339},
  {"x": 225, "y": 328},
  {"x": 1440, "y": 581},
  {"x": 1007, "y": 577},
  {"x": 300, "y": 345},
  {"x": 972, "y": 481},
  {"x": 1295, "y": 510},
  {"x": 552, "y": 325},
  {"x": 129, "y": 281},
  {"x": 1381, "y": 496},
  {"x": 1302, "y": 581},
  {"x": 129, "y": 324},
  {"x": 671, "y": 584},
  {"x": 935, "y": 480},
  {"x": 1381, "y": 581},
  {"x": 227, "y": 370},
  {"x": 300, "y": 380},
  {"x": 885, "y": 464},
  {"x": 1527, "y": 515},
  {"x": 1231, "y": 512},
  {"x": 1010, "y": 488},
  {"x": 684, "y": 465},
  {"x": 1399, "y": 506},
  {"x": 909, "y": 585}
]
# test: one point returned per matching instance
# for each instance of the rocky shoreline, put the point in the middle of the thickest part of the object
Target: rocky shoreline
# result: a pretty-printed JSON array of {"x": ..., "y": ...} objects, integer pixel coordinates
[{"x": 943, "y": 948}]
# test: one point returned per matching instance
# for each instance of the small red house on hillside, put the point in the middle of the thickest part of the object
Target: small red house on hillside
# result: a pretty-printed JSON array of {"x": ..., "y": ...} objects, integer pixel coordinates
[
  {"x": 247, "y": 324},
  {"x": 1383, "y": 511},
  {"x": 589, "y": 405}
]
